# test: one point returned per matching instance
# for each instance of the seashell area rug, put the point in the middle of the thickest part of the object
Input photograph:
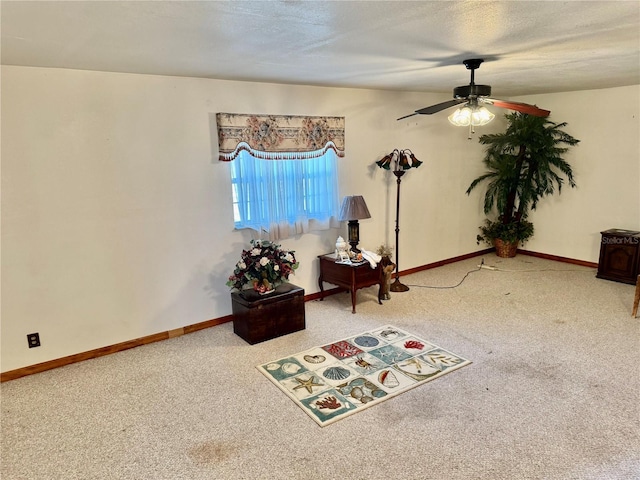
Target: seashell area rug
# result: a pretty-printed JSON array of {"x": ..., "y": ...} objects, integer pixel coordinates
[{"x": 339, "y": 379}]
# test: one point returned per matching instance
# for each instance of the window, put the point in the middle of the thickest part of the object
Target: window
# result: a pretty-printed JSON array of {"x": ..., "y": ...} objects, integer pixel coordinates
[
  {"x": 284, "y": 171},
  {"x": 284, "y": 197}
]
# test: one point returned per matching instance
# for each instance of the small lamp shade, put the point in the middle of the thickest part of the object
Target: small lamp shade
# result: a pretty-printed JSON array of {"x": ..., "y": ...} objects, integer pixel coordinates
[{"x": 353, "y": 209}]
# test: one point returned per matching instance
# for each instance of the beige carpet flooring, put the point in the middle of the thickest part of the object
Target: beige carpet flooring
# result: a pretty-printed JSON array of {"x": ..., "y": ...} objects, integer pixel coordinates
[{"x": 553, "y": 393}]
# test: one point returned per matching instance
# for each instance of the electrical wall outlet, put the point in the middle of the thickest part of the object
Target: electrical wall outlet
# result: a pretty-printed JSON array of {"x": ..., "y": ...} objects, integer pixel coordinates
[{"x": 33, "y": 339}]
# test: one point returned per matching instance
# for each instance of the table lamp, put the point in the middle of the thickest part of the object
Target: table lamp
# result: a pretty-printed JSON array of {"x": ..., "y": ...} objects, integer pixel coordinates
[{"x": 353, "y": 209}]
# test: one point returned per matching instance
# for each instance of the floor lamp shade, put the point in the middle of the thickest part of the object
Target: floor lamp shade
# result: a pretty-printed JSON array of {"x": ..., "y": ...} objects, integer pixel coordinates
[{"x": 354, "y": 208}]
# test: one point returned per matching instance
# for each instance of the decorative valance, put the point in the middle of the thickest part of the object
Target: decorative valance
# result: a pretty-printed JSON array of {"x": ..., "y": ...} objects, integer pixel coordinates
[{"x": 275, "y": 137}]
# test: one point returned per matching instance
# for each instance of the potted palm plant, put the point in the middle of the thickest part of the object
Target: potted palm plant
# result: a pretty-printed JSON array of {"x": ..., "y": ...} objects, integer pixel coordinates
[{"x": 524, "y": 164}]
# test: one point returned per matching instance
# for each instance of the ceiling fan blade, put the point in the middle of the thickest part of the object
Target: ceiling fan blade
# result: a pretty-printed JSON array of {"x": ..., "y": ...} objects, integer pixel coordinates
[
  {"x": 517, "y": 106},
  {"x": 407, "y": 116},
  {"x": 440, "y": 106},
  {"x": 436, "y": 108}
]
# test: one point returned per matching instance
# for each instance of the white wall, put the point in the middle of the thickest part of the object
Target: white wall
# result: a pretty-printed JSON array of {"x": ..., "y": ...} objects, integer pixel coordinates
[
  {"x": 116, "y": 214},
  {"x": 606, "y": 164}
]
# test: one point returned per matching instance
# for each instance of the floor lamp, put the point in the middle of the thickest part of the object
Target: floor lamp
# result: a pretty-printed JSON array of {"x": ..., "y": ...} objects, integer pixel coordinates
[{"x": 401, "y": 160}]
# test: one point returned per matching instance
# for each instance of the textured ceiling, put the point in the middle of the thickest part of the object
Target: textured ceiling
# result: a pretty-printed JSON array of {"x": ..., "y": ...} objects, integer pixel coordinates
[{"x": 529, "y": 47}]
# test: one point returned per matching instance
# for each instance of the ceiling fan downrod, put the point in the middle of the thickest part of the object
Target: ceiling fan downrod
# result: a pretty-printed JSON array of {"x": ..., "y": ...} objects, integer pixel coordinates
[
  {"x": 472, "y": 90},
  {"x": 472, "y": 65}
]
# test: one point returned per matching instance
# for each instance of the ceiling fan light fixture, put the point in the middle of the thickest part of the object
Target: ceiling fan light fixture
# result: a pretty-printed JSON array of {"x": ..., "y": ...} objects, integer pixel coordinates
[
  {"x": 461, "y": 117},
  {"x": 481, "y": 116},
  {"x": 474, "y": 116}
]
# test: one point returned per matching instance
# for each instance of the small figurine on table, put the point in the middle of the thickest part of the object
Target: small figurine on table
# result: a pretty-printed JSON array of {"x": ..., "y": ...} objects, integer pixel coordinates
[{"x": 342, "y": 254}]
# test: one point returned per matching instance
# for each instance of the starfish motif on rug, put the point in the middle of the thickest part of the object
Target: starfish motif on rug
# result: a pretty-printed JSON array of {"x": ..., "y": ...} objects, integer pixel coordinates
[{"x": 308, "y": 384}]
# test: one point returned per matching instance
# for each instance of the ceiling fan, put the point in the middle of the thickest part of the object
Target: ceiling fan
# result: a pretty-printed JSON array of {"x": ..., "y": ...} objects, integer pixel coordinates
[{"x": 473, "y": 95}]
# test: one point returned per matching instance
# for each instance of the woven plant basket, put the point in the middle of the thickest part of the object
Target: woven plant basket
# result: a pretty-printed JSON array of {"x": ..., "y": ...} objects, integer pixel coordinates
[{"x": 505, "y": 249}]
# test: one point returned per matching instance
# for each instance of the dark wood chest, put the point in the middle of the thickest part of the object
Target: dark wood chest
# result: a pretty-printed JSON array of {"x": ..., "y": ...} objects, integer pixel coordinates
[
  {"x": 619, "y": 256},
  {"x": 257, "y": 318}
]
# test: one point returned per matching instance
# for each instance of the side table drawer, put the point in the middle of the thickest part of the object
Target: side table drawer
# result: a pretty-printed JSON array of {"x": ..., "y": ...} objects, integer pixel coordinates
[{"x": 368, "y": 275}]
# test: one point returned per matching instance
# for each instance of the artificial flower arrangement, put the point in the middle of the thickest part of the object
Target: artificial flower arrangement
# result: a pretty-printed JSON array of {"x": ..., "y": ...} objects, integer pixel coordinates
[{"x": 263, "y": 267}]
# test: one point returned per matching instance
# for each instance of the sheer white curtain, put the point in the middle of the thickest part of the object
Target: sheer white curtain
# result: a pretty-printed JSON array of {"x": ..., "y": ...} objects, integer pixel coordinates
[{"x": 285, "y": 197}]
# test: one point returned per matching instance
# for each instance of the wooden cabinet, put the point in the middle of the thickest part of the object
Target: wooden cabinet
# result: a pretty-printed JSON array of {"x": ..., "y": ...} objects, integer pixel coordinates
[
  {"x": 349, "y": 276},
  {"x": 257, "y": 318},
  {"x": 619, "y": 256}
]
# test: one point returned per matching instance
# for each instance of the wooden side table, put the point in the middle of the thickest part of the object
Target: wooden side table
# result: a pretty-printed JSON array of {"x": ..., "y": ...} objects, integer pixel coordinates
[{"x": 351, "y": 277}]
